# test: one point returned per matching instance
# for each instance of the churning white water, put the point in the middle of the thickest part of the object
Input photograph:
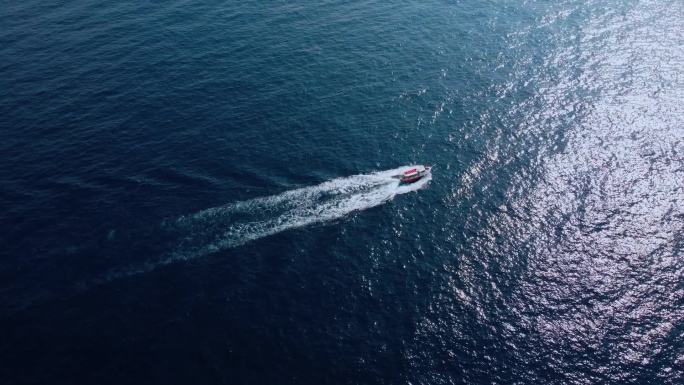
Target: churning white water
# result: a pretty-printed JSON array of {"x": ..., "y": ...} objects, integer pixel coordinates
[{"x": 234, "y": 224}]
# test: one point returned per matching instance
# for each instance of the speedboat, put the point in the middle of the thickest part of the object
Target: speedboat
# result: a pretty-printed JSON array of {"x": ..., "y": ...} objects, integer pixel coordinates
[{"x": 413, "y": 174}]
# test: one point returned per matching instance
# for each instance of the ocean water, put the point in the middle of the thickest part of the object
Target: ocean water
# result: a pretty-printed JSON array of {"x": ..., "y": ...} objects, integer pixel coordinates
[{"x": 201, "y": 192}]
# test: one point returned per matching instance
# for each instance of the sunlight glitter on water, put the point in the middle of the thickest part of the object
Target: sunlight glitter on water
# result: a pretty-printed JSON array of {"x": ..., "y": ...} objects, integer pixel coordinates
[{"x": 596, "y": 210}]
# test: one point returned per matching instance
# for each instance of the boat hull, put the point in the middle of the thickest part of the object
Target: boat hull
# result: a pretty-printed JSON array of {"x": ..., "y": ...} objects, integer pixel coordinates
[{"x": 414, "y": 174}]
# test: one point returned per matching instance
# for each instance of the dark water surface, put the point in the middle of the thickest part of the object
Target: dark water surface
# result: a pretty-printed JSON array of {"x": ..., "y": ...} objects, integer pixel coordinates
[{"x": 199, "y": 192}]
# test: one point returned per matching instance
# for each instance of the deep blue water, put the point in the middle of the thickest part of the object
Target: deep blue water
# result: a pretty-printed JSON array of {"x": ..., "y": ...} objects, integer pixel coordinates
[{"x": 198, "y": 192}]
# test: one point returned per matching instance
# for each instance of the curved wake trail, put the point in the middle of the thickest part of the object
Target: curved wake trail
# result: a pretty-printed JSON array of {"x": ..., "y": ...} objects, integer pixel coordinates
[{"x": 235, "y": 224}]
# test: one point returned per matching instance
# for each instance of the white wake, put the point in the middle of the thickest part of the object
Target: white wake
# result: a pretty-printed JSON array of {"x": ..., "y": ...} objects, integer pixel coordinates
[{"x": 234, "y": 224}]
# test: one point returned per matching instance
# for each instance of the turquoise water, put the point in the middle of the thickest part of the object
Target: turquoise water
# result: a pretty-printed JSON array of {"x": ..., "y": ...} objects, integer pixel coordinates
[{"x": 202, "y": 192}]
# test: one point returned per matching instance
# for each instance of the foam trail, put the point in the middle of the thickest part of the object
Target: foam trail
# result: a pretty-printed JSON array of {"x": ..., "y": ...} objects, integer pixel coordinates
[{"x": 234, "y": 224}]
